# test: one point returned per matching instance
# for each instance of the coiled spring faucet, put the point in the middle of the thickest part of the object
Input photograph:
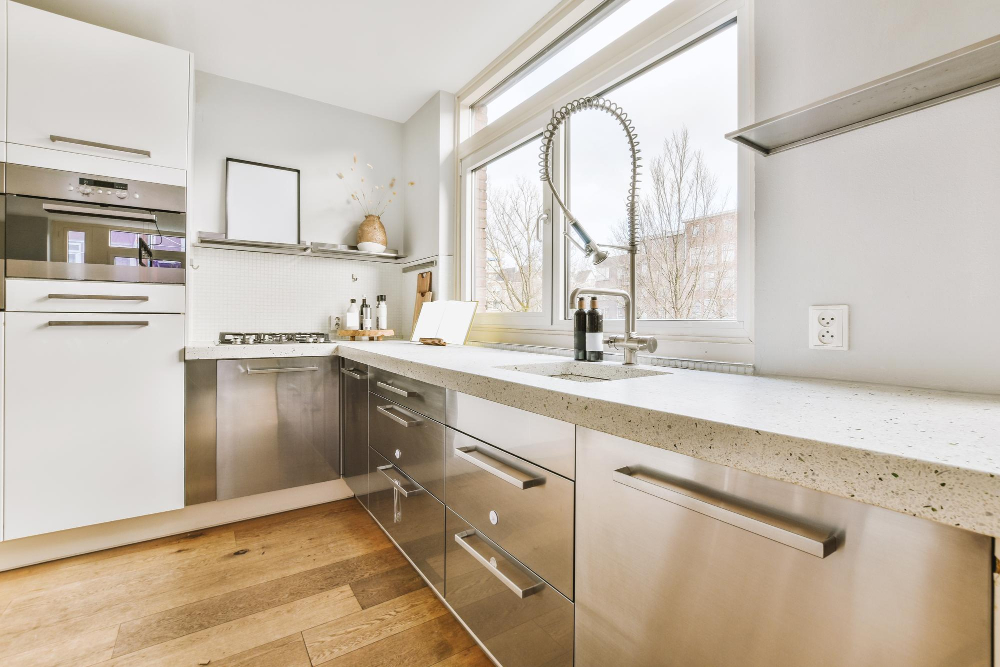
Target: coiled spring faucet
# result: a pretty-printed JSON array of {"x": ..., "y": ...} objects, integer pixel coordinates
[{"x": 630, "y": 343}]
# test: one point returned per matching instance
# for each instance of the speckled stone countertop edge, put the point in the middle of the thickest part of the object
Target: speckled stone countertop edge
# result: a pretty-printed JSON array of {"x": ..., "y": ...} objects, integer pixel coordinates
[{"x": 940, "y": 492}]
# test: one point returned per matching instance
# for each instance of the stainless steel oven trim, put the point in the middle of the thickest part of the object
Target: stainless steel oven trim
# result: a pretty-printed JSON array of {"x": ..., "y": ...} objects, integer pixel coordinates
[
  {"x": 54, "y": 184},
  {"x": 803, "y": 538}
]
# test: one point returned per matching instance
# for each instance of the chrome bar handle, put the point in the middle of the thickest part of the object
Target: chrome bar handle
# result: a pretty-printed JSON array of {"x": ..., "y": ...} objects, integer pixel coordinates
[
  {"x": 54, "y": 138},
  {"x": 351, "y": 373},
  {"x": 110, "y": 214},
  {"x": 290, "y": 369},
  {"x": 405, "y": 420},
  {"x": 98, "y": 323},
  {"x": 395, "y": 390},
  {"x": 494, "y": 565},
  {"x": 811, "y": 541},
  {"x": 396, "y": 484},
  {"x": 498, "y": 469},
  {"x": 99, "y": 297}
]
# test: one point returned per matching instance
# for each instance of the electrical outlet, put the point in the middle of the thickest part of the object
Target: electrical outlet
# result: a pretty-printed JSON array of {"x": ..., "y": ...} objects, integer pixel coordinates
[{"x": 828, "y": 327}]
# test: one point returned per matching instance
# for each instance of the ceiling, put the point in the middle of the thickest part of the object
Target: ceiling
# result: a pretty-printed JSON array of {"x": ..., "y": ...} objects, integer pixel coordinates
[{"x": 384, "y": 57}]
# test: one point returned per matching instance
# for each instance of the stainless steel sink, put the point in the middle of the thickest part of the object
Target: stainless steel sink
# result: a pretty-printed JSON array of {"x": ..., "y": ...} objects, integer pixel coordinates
[{"x": 582, "y": 371}]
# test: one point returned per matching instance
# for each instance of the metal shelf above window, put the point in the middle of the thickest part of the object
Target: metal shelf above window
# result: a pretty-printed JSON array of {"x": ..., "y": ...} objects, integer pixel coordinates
[
  {"x": 969, "y": 70},
  {"x": 213, "y": 240}
]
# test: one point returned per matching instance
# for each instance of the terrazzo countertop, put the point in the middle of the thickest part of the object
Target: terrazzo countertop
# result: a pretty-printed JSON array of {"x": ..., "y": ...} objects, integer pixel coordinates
[{"x": 930, "y": 454}]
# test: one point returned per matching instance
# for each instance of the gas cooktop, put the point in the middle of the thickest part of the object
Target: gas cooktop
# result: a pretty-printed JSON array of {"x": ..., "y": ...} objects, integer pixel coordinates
[{"x": 240, "y": 338}]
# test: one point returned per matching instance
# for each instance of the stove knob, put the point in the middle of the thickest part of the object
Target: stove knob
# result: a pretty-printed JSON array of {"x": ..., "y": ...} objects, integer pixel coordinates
[
  {"x": 121, "y": 194},
  {"x": 85, "y": 190}
]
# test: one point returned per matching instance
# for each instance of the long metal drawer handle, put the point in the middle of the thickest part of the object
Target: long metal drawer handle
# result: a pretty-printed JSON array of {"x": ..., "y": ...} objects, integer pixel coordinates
[
  {"x": 395, "y": 390},
  {"x": 290, "y": 369},
  {"x": 406, "y": 421},
  {"x": 54, "y": 138},
  {"x": 463, "y": 539},
  {"x": 99, "y": 213},
  {"x": 99, "y": 297},
  {"x": 497, "y": 468},
  {"x": 98, "y": 323},
  {"x": 810, "y": 541},
  {"x": 349, "y": 372},
  {"x": 413, "y": 491}
]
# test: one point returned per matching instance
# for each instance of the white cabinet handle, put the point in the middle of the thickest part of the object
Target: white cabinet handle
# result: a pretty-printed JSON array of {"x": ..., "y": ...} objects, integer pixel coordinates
[
  {"x": 468, "y": 540},
  {"x": 811, "y": 541},
  {"x": 99, "y": 297},
  {"x": 498, "y": 469},
  {"x": 98, "y": 323},
  {"x": 54, "y": 138}
]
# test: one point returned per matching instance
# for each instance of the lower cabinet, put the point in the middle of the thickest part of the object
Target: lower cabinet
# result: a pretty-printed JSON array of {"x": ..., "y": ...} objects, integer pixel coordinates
[
  {"x": 354, "y": 426},
  {"x": 410, "y": 515},
  {"x": 522, "y": 620},
  {"x": 94, "y": 426}
]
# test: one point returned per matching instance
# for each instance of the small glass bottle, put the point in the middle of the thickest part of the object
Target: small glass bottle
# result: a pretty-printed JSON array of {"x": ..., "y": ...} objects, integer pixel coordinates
[{"x": 595, "y": 332}]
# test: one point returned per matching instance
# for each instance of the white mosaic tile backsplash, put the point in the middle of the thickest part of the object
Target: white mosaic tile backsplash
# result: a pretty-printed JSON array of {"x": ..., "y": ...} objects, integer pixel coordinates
[{"x": 234, "y": 290}]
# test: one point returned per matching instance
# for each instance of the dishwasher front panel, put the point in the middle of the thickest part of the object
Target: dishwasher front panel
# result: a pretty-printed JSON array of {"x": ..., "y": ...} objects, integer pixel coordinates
[
  {"x": 665, "y": 578},
  {"x": 278, "y": 424}
]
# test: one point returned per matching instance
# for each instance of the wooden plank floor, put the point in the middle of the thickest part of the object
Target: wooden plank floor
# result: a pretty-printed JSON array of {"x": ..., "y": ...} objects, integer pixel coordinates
[{"x": 320, "y": 585}]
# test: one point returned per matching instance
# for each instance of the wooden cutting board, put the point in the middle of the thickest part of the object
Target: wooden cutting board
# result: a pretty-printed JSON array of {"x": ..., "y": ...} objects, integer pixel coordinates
[{"x": 424, "y": 294}]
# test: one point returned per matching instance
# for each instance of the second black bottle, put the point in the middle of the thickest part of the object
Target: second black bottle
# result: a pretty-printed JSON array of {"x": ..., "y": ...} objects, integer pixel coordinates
[
  {"x": 580, "y": 331},
  {"x": 595, "y": 332}
]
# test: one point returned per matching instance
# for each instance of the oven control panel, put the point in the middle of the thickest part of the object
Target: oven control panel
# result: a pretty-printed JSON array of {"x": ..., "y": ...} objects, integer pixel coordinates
[{"x": 89, "y": 187}]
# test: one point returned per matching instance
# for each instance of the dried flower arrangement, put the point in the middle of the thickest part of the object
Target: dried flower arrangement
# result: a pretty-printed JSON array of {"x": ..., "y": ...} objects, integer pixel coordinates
[{"x": 373, "y": 199}]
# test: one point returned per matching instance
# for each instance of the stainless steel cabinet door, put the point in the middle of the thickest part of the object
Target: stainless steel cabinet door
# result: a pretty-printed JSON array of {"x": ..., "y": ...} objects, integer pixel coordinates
[
  {"x": 523, "y": 621},
  {"x": 354, "y": 420},
  {"x": 525, "y": 509},
  {"x": 277, "y": 424},
  {"x": 410, "y": 441},
  {"x": 411, "y": 516},
  {"x": 665, "y": 578}
]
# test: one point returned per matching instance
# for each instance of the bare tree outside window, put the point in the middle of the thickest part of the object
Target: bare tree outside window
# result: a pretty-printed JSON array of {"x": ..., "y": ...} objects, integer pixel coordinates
[{"x": 513, "y": 253}]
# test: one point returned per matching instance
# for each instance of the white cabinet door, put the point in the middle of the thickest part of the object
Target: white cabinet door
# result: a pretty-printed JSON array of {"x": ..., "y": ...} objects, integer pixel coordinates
[
  {"x": 94, "y": 419},
  {"x": 89, "y": 84}
]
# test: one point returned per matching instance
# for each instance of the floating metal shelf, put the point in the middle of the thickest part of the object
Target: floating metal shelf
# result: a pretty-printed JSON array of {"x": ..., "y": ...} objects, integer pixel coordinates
[
  {"x": 951, "y": 76},
  {"x": 214, "y": 240}
]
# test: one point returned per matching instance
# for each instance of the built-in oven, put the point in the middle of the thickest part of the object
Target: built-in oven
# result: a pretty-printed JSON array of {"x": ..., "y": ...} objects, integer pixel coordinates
[{"x": 64, "y": 225}]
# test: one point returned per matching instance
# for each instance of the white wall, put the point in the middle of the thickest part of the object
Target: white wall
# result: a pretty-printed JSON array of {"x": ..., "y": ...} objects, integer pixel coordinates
[
  {"x": 898, "y": 220},
  {"x": 241, "y": 120}
]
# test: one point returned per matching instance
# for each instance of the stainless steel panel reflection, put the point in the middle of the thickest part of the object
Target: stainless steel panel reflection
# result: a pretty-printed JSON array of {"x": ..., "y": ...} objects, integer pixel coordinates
[
  {"x": 277, "y": 430},
  {"x": 534, "y": 630},
  {"x": 661, "y": 584},
  {"x": 419, "y": 396},
  {"x": 542, "y": 440},
  {"x": 417, "y": 449},
  {"x": 354, "y": 421},
  {"x": 415, "y": 520},
  {"x": 534, "y": 524},
  {"x": 199, "y": 431},
  {"x": 19, "y": 268}
]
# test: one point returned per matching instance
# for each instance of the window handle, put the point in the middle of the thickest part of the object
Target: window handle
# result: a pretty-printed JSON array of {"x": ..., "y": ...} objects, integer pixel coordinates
[{"x": 542, "y": 219}]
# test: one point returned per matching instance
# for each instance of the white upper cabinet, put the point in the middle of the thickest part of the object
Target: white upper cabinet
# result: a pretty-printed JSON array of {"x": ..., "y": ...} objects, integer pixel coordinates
[{"x": 119, "y": 104}]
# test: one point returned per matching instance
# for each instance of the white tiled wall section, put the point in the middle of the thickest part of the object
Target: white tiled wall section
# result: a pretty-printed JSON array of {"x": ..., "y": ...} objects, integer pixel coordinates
[{"x": 252, "y": 291}]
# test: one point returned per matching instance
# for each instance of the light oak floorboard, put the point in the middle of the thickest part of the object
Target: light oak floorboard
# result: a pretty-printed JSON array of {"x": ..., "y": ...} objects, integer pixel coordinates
[
  {"x": 470, "y": 657},
  {"x": 384, "y": 586},
  {"x": 286, "y": 652},
  {"x": 228, "y": 639},
  {"x": 81, "y": 650},
  {"x": 421, "y": 646},
  {"x": 336, "y": 638}
]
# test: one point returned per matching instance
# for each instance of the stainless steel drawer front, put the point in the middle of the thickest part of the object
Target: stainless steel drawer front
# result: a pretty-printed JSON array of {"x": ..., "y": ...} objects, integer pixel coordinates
[
  {"x": 544, "y": 441},
  {"x": 420, "y": 397},
  {"x": 521, "y": 620},
  {"x": 354, "y": 420},
  {"x": 410, "y": 442},
  {"x": 411, "y": 516},
  {"x": 897, "y": 590},
  {"x": 528, "y": 511}
]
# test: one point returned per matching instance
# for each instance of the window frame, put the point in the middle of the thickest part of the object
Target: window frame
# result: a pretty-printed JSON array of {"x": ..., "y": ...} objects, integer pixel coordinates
[{"x": 667, "y": 32}]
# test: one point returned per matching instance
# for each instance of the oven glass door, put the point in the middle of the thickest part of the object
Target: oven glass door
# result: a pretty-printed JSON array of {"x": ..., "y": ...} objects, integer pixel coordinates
[{"x": 47, "y": 238}]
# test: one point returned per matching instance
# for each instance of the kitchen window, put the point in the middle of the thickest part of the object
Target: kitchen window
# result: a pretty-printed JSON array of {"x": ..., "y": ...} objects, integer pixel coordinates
[{"x": 694, "y": 265}]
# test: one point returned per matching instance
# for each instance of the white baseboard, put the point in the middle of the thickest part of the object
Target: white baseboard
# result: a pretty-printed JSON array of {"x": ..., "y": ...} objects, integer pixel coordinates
[{"x": 41, "y": 548}]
